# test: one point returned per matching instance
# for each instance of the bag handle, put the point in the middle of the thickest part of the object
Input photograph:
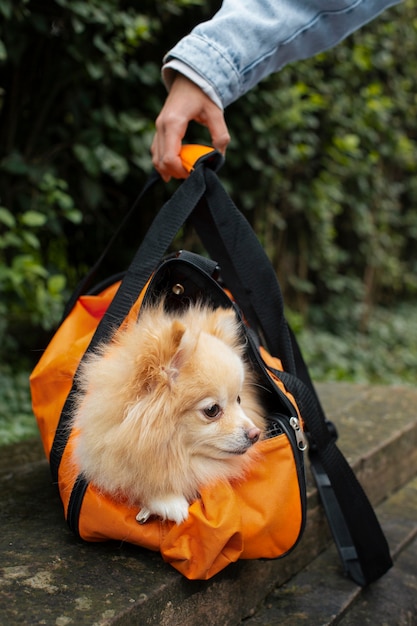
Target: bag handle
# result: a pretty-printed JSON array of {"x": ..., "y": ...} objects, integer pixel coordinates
[{"x": 193, "y": 154}]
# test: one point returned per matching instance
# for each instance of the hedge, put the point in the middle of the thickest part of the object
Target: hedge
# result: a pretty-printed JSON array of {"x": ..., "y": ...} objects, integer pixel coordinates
[{"x": 323, "y": 159}]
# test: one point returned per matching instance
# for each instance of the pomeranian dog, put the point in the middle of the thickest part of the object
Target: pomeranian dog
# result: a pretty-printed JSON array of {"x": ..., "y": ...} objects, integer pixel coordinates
[{"x": 167, "y": 407}]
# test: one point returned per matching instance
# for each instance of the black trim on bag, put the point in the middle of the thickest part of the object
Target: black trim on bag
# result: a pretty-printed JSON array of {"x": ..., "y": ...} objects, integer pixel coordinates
[
  {"x": 75, "y": 502},
  {"x": 283, "y": 421}
]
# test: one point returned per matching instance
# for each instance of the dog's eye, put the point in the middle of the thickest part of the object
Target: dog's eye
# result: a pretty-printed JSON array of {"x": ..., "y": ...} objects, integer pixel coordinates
[
  {"x": 212, "y": 411},
  {"x": 238, "y": 399}
]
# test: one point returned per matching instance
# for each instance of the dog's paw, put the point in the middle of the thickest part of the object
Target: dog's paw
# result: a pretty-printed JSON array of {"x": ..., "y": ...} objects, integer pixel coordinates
[
  {"x": 143, "y": 515},
  {"x": 171, "y": 507}
]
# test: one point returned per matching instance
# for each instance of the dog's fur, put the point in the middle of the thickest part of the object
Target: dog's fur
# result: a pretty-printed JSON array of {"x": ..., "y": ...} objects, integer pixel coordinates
[{"x": 167, "y": 407}]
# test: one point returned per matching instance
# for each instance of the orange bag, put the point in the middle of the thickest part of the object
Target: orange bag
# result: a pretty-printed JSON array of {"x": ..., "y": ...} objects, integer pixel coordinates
[{"x": 260, "y": 517}]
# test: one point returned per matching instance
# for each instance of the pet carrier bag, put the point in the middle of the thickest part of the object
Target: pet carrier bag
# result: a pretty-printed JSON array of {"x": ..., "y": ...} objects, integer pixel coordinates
[{"x": 263, "y": 516}]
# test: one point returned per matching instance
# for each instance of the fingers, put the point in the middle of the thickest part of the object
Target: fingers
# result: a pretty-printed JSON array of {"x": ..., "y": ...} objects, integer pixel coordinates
[
  {"x": 185, "y": 102},
  {"x": 219, "y": 133},
  {"x": 166, "y": 146}
]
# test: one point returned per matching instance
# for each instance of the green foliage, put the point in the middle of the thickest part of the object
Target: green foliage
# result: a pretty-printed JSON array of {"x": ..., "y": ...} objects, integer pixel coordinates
[
  {"x": 325, "y": 170},
  {"x": 386, "y": 354},
  {"x": 79, "y": 92},
  {"x": 16, "y": 417},
  {"x": 32, "y": 292}
]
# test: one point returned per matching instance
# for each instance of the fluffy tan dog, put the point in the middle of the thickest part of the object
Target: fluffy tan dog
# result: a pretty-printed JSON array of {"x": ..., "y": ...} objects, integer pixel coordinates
[{"x": 167, "y": 407}]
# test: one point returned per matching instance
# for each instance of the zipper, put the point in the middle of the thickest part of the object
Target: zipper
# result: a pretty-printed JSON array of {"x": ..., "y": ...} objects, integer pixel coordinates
[
  {"x": 300, "y": 437},
  {"x": 280, "y": 424}
]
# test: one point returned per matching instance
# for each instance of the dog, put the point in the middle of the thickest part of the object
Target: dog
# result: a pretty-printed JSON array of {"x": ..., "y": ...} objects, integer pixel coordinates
[{"x": 168, "y": 406}]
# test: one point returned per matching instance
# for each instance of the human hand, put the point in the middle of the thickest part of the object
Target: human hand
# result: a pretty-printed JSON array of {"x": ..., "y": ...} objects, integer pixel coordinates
[{"x": 185, "y": 102}]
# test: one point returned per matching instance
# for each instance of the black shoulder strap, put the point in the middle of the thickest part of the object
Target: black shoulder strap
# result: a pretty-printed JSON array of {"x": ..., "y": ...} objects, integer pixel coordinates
[
  {"x": 245, "y": 267},
  {"x": 360, "y": 541},
  {"x": 229, "y": 238},
  {"x": 89, "y": 279}
]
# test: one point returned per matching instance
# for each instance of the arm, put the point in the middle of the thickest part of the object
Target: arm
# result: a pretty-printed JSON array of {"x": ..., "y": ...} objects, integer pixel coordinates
[
  {"x": 249, "y": 39},
  {"x": 244, "y": 42}
]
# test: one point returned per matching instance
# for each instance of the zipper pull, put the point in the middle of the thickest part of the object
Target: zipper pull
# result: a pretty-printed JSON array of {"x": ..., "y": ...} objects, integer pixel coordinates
[{"x": 302, "y": 443}]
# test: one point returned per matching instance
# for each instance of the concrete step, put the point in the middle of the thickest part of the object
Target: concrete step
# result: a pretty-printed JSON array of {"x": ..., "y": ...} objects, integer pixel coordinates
[
  {"x": 49, "y": 577},
  {"x": 318, "y": 596}
]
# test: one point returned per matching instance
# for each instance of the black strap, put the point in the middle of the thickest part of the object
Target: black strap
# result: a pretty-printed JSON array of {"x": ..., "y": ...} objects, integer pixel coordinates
[
  {"x": 230, "y": 240},
  {"x": 228, "y": 237},
  {"x": 89, "y": 279},
  {"x": 359, "y": 538}
]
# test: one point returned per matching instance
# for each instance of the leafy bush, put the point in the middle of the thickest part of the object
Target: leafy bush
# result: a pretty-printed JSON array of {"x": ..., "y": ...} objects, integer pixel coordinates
[
  {"x": 79, "y": 92},
  {"x": 16, "y": 417},
  {"x": 386, "y": 354},
  {"x": 325, "y": 168}
]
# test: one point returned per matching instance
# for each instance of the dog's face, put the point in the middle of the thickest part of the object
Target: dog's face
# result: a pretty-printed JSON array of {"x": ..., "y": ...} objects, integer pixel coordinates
[
  {"x": 210, "y": 384},
  {"x": 199, "y": 376}
]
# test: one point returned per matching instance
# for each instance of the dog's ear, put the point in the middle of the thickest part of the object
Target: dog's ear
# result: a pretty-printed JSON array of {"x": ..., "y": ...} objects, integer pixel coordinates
[
  {"x": 177, "y": 333},
  {"x": 165, "y": 356},
  {"x": 225, "y": 327},
  {"x": 159, "y": 359},
  {"x": 184, "y": 344}
]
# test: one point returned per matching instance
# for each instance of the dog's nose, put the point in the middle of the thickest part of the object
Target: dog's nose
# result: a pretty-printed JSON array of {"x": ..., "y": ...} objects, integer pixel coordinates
[{"x": 253, "y": 434}]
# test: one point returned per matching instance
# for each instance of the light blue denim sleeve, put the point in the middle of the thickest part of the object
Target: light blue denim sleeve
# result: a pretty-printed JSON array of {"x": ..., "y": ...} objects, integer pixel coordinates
[{"x": 247, "y": 40}]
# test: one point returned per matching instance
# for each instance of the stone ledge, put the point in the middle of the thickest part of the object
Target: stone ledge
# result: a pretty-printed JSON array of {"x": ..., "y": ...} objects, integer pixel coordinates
[
  {"x": 317, "y": 595},
  {"x": 56, "y": 579}
]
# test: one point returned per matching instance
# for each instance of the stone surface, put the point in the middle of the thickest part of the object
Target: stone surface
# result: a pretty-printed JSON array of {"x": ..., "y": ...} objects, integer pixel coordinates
[
  {"x": 49, "y": 575},
  {"x": 319, "y": 596},
  {"x": 12, "y": 457}
]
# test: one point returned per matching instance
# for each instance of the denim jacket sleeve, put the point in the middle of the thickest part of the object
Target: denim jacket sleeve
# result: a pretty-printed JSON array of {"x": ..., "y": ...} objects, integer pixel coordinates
[{"x": 247, "y": 40}]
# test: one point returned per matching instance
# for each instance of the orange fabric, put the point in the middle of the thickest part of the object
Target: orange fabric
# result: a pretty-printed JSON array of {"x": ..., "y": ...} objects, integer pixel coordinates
[
  {"x": 260, "y": 517},
  {"x": 190, "y": 153}
]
